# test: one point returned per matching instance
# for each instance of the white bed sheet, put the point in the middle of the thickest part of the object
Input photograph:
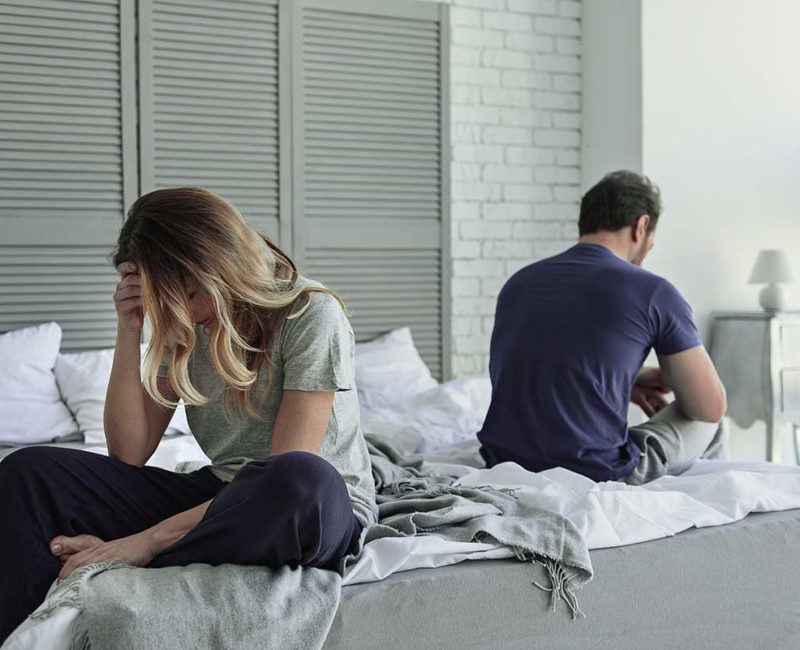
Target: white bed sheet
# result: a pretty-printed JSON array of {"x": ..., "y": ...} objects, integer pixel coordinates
[{"x": 611, "y": 513}]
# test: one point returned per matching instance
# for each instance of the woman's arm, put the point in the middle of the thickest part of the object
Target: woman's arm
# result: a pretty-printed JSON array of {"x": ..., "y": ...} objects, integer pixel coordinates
[
  {"x": 138, "y": 549},
  {"x": 300, "y": 424},
  {"x": 301, "y": 421},
  {"x": 133, "y": 422},
  {"x": 166, "y": 533}
]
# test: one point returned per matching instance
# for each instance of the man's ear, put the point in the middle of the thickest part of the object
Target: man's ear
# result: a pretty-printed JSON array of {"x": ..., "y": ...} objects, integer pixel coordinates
[{"x": 640, "y": 227}]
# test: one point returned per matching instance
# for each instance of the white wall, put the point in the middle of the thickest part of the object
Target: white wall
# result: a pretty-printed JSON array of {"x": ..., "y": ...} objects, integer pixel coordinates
[
  {"x": 718, "y": 130},
  {"x": 721, "y": 136},
  {"x": 515, "y": 132},
  {"x": 704, "y": 98}
]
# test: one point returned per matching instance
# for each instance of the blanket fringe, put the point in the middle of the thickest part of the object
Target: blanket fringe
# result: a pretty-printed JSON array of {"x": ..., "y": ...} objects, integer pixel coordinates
[
  {"x": 68, "y": 594},
  {"x": 560, "y": 586},
  {"x": 412, "y": 487}
]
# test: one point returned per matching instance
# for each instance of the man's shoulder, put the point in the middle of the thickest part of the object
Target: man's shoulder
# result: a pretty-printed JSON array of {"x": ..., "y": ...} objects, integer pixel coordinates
[
  {"x": 523, "y": 274},
  {"x": 646, "y": 277}
]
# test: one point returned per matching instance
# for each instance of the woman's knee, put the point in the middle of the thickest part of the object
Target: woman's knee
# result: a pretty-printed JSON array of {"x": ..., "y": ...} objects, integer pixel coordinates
[
  {"x": 301, "y": 467},
  {"x": 29, "y": 461},
  {"x": 305, "y": 481}
]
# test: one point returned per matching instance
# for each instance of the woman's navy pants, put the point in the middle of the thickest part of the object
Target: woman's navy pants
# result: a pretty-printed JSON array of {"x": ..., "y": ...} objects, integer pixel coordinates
[{"x": 287, "y": 509}]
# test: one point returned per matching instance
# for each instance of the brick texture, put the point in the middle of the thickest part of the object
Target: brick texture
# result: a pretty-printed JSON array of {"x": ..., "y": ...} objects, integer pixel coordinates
[{"x": 515, "y": 128}]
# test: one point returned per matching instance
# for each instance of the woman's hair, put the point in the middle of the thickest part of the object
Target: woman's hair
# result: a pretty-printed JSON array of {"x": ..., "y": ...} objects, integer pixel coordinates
[{"x": 189, "y": 232}]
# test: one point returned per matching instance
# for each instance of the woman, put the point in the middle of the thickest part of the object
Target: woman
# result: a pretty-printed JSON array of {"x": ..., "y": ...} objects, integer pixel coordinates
[{"x": 263, "y": 359}]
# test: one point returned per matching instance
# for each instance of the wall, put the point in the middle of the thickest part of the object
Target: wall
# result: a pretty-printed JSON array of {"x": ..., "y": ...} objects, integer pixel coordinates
[
  {"x": 713, "y": 120},
  {"x": 515, "y": 130},
  {"x": 719, "y": 132},
  {"x": 722, "y": 139}
]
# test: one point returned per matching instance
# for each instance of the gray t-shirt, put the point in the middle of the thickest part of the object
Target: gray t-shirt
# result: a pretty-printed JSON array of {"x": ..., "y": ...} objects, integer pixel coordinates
[{"x": 313, "y": 352}]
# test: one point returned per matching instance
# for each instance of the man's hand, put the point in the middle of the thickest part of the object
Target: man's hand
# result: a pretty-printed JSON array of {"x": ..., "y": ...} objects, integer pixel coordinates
[
  {"x": 650, "y": 391},
  {"x": 650, "y": 400},
  {"x": 137, "y": 550},
  {"x": 653, "y": 378}
]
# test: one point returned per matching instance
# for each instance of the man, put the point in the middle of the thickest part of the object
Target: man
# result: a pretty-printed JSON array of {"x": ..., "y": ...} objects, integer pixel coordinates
[{"x": 570, "y": 336}]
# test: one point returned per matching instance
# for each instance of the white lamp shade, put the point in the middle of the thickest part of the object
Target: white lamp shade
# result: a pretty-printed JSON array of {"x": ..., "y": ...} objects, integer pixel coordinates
[{"x": 771, "y": 266}]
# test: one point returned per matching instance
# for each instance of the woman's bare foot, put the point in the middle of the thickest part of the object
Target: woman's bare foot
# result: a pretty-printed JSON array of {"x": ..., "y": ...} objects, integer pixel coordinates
[{"x": 63, "y": 546}]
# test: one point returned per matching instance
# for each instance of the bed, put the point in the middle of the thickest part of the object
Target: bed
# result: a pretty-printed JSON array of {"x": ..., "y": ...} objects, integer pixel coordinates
[
  {"x": 707, "y": 559},
  {"x": 718, "y": 586}
]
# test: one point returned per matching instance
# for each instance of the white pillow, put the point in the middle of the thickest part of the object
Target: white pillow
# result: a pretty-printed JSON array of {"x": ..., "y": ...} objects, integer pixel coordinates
[
  {"x": 446, "y": 414},
  {"x": 31, "y": 410},
  {"x": 83, "y": 379},
  {"x": 389, "y": 370}
]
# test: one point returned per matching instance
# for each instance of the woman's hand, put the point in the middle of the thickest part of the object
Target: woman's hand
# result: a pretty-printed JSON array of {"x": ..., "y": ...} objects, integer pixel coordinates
[
  {"x": 137, "y": 550},
  {"x": 128, "y": 298},
  {"x": 64, "y": 547}
]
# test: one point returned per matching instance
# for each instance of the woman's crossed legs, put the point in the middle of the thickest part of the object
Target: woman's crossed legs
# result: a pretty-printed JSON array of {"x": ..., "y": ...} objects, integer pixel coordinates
[{"x": 291, "y": 508}]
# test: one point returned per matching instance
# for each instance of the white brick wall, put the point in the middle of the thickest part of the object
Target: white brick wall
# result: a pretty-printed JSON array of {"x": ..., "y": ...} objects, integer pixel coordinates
[{"x": 515, "y": 131}]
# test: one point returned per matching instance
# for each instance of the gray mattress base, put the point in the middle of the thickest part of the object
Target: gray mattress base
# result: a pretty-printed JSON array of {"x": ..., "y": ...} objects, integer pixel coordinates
[{"x": 733, "y": 586}]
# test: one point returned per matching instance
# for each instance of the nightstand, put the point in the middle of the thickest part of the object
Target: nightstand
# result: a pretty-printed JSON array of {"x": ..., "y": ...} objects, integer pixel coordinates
[{"x": 757, "y": 356}]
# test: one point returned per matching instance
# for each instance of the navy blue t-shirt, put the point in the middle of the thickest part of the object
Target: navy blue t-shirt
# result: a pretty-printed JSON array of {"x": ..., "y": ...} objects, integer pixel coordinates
[{"x": 571, "y": 333}]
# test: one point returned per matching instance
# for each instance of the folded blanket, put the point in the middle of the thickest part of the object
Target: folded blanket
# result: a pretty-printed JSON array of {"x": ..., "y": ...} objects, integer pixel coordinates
[{"x": 234, "y": 606}]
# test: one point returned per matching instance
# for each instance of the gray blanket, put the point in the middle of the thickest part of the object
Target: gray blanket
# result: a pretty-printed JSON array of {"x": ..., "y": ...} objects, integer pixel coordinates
[
  {"x": 230, "y": 606},
  {"x": 198, "y": 606},
  {"x": 413, "y": 500}
]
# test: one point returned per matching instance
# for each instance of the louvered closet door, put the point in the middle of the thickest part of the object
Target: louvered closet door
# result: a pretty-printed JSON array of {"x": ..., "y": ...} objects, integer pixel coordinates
[
  {"x": 370, "y": 163},
  {"x": 67, "y": 162},
  {"x": 209, "y": 101}
]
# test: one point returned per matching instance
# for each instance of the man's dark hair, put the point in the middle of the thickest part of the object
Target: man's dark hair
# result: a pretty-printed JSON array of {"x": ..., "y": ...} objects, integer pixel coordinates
[{"x": 617, "y": 201}]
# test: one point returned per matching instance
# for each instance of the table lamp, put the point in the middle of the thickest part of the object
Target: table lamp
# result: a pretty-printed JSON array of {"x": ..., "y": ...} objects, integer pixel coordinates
[{"x": 772, "y": 268}]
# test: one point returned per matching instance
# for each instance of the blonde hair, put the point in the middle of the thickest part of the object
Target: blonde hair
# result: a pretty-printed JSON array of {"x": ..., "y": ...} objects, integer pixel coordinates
[{"x": 190, "y": 232}]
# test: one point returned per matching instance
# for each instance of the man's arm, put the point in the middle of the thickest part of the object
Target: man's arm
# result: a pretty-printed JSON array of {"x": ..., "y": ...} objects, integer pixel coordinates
[
  {"x": 687, "y": 368},
  {"x": 650, "y": 390},
  {"x": 699, "y": 393}
]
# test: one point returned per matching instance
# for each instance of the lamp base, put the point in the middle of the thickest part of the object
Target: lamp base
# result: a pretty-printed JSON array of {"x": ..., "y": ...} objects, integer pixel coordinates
[{"x": 771, "y": 298}]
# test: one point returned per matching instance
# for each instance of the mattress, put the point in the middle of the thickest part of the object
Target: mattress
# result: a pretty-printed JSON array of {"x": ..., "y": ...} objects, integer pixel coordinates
[{"x": 731, "y": 586}]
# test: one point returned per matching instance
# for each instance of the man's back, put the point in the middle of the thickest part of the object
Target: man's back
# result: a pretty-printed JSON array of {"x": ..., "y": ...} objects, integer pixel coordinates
[{"x": 570, "y": 335}]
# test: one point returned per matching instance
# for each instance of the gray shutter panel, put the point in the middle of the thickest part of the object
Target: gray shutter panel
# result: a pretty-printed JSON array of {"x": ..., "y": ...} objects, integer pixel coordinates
[
  {"x": 370, "y": 163},
  {"x": 67, "y": 162},
  {"x": 209, "y": 101}
]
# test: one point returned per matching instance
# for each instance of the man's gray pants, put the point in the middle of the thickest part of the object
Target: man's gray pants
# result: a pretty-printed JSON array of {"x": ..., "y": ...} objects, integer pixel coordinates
[{"x": 670, "y": 443}]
